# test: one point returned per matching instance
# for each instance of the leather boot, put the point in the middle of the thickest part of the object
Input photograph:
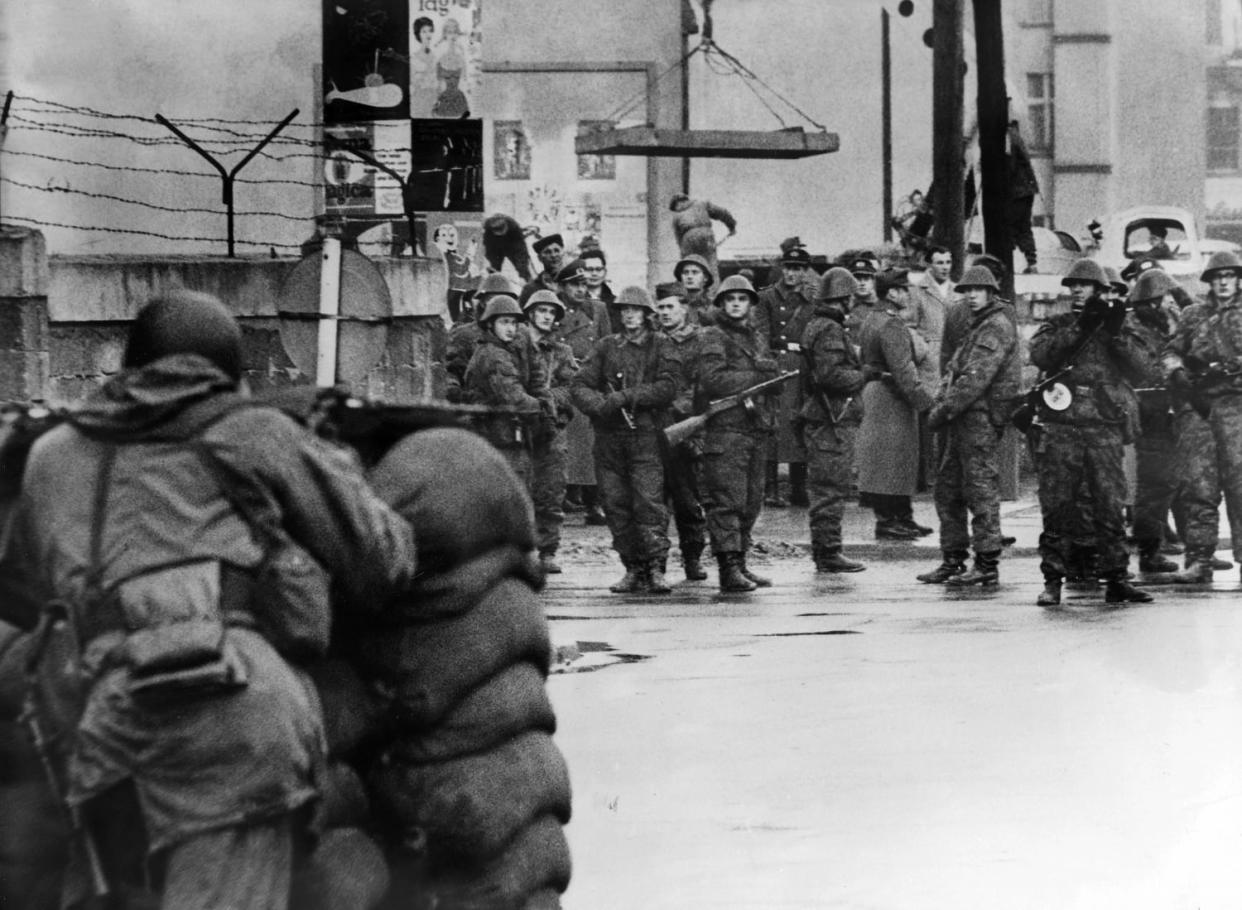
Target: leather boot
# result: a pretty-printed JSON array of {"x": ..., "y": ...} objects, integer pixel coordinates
[
  {"x": 1050, "y": 596},
  {"x": 1197, "y": 572},
  {"x": 656, "y": 582},
  {"x": 891, "y": 529},
  {"x": 772, "y": 487},
  {"x": 692, "y": 563},
  {"x": 985, "y": 572},
  {"x": 1221, "y": 565},
  {"x": 1151, "y": 560},
  {"x": 829, "y": 559},
  {"x": 1118, "y": 590},
  {"x": 547, "y": 561},
  {"x": 759, "y": 581},
  {"x": 954, "y": 564},
  {"x": 633, "y": 582},
  {"x": 731, "y": 578}
]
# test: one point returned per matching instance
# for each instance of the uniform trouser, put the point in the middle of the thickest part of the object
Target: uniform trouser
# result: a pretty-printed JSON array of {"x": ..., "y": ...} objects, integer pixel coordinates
[
  {"x": 1156, "y": 484},
  {"x": 1066, "y": 457},
  {"x": 1197, "y": 499},
  {"x": 829, "y": 469},
  {"x": 682, "y": 483},
  {"x": 630, "y": 475},
  {"x": 968, "y": 481},
  {"x": 733, "y": 469},
  {"x": 1226, "y": 421},
  {"x": 518, "y": 457},
  {"x": 549, "y": 458}
]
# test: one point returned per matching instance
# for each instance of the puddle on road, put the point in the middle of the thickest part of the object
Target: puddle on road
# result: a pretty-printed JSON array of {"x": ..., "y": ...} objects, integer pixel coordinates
[
  {"x": 589, "y": 656},
  {"x": 798, "y": 634}
]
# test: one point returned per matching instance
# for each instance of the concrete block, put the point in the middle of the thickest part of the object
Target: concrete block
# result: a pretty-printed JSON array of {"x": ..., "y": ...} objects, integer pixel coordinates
[{"x": 23, "y": 262}]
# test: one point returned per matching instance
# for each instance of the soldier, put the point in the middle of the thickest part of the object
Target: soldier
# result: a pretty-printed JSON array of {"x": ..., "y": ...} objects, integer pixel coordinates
[
  {"x": 974, "y": 406},
  {"x": 200, "y": 748},
  {"x": 549, "y": 449},
  {"x": 832, "y": 379},
  {"x": 733, "y": 356},
  {"x": 625, "y": 385},
  {"x": 551, "y": 253},
  {"x": 696, "y": 279},
  {"x": 464, "y": 338},
  {"x": 506, "y": 372},
  {"x": 1155, "y": 448},
  {"x": 1203, "y": 364},
  {"x": 864, "y": 267},
  {"x": 1085, "y": 421}
]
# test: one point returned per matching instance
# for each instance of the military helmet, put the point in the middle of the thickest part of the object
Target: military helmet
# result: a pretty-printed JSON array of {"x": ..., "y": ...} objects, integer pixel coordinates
[
  {"x": 694, "y": 259},
  {"x": 735, "y": 283},
  {"x": 1220, "y": 262},
  {"x": 495, "y": 283},
  {"x": 634, "y": 296},
  {"x": 1152, "y": 285},
  {"x": 501, "y": 305},
  {"x": 977, "y": 276},
  {"x": 185, "y": 322},
  {"x": 1086, "y": 270},
  {"x": 548, "y": 298},
  {"x": 837, "y": 284},
  {"x": 1115, "y": 281}
]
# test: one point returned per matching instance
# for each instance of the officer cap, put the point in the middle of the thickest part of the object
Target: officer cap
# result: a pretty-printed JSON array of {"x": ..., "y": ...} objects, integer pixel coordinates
[
  {"x": 634, "y": 296},
  {"x": 501, "y": 305},
  {"x": 837, "y": 284},
  {"x": 890, "y": 279},
  {"x": 694, "y": 259},
  {"x": 977, "y": 276},
  {"x": 574, "y": 271},
  {"x": 735, "y": 283},
  {"x": 1220, "y": 262},
  {"x": 545, "y": 297},
  {"x": 864, "y": 266},
  {"x": 796, "y": 256},
  {"x": 495, "y": 283},
  {"x": 1136, "y": 267},
  {"x": 185, "y": 322},
  {"x": 1152, "y": 285},
  {"x": 1086, "y": 270},
  {"x": 543, "y": 242}
]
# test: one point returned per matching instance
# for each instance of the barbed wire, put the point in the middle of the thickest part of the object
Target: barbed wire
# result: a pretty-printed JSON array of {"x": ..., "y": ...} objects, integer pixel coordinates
[
  {"x": 138, "y": 231},
  {"x": 155, "y": 170},
  {"x": 149, "y": 205}
]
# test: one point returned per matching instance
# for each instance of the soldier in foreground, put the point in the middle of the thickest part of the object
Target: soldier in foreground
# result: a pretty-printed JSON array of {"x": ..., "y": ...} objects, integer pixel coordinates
[
  {"x": 973, "y": 406},
  {"x": 465, "y": 337}
]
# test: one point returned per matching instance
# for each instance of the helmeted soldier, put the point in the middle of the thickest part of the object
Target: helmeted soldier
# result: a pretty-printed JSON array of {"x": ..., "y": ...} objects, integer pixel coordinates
[
  {"x": 1203, "y": 363},
  {"x": 625, "y": 386},
  {"x": 696, "y": 277},
  {"x": 733, "y": 356},
  {"x": 548, "y": 446},
  {"x": 832, "y": 379},
  {"x": 1087, "y": 413},
  {"x": 465, "y": 337},
  {"x": 506, "y": 372},
  {"x": 974, "y": 404}
]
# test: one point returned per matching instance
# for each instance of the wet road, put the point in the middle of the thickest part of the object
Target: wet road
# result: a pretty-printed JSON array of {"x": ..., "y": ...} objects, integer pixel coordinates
[{"x": 870, "y": 742}]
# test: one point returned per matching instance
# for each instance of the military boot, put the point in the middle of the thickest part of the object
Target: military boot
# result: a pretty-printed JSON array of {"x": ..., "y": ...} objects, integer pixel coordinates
[
  {"x": 1151, "y": 560},
  {"x": 656, "y": 582},
  {"x": 692, "y": 562},
  {"x": 1197, "y": 572},
  {"x": 1050, "y": 596},
  {"x": 985, "y": 572},
  {"x": 633, "y": 582},
  {"x": 1118, "y": 590},
  {"x": 954, "y": 564},
  {"x": 547, "y": 561},
  {"x": 1220, "y": 565},
  {"x": 829, "y": 559},
  {"x": 731, "y": 578},
  {"x": 759, "y": 581}
]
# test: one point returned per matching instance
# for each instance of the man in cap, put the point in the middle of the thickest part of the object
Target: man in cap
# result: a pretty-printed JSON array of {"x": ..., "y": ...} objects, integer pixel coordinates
[
  {"x": 864, "y": 267},
  {"x": 1203, "y": 364},
  {"x": 626, "y": 384},
  {"x": 683, "y": 463},
  {"x": 733, "y": 356},
  {"x": 973, "y": 407},
  {"x": 696, "y": 277},
  {"x": 1086, "y": 420},
  {"x": 551, "y": 253},
  {"x": 832, "y": 379},
  {"x": 585, "y": 322},
  {"x": 549, "y": 449},
  {"x": 199, "y": 750},
  {"x": 782, "y": 314},
  {"x": 465, "y": 337}
]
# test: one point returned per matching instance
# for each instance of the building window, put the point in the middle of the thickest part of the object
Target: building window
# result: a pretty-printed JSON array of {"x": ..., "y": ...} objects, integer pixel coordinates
[
  {"x": 1039, "y": 112},
  {"x": 596, "y": 167},
  {"x": 1222, "y": 139},
  {"x": 511, "y": 150}
]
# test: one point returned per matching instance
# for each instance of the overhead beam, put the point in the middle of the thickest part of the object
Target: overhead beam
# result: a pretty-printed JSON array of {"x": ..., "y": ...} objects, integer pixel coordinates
[{"x": 653, "y": 142}]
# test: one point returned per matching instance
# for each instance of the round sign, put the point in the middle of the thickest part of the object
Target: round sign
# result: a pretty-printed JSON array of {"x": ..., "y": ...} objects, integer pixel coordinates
[{"x": 1057, "y": 396}]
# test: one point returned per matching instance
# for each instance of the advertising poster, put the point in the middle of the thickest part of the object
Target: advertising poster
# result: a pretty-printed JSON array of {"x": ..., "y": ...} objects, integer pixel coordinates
[
  {"x": 458, "y": 237},
  {"x": 511, "y": 150},
  {"x": 446, "y": 164},
  {"x": 354, "y": 188},
  {"x": 366, "y": 73},
  {"x": 445, "y": 57}
]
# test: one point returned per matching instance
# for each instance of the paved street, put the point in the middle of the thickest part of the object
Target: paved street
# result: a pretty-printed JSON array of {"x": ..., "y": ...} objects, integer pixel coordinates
[{"x": 870, "y": 742}]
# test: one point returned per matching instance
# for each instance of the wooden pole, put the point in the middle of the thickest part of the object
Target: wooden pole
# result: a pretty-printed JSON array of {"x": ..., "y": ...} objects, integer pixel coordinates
[
  {"x": 948, "y": 165},
  {"x": 886, "y": 115},
  {"x": 993, "y": 113}
]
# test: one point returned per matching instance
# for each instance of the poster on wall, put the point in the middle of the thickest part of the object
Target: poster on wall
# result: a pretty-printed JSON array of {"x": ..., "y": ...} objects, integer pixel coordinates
[
  {"x": 511, "y": 150},
  {"x": 445, "y": 57},
  {"x": 366, "y": 72},
  {"x": 458, "y": 238},
  {"x": 596, "y": 167},
  {"x": 356, "y": 188},
  {"x": 446, "y": 166}
]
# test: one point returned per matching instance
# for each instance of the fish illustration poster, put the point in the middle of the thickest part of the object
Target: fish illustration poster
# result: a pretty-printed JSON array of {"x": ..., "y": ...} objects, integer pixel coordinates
[{"x": 366, "y": 72}]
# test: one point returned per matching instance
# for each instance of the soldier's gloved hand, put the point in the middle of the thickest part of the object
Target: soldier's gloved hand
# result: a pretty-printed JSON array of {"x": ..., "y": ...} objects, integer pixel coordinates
[
  {"x": 615, "y": 401},
  {"x": 937, "y": 417},
  {"x": 1115, "y": 319},
  {"x": 766, "y": 365},
  {"x": 1092, "y": 315}
]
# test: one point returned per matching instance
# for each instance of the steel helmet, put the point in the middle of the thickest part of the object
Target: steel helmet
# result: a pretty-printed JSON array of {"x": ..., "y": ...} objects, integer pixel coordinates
[
  {"x": 1115, "y": 281},
  {"x": 1220, "y": 262},
  {"x": 1152, "y": 285},
  {"x": 548, "y": 298},
  {"x": 977, "y": 276},
  {"x": 837, "y": 284},
  {"x": 634, "y": 296},
  {"x": 694, "y": 259},
  {"x": 1086, "y": 270},
  {"x": 495, "y": 283},
  {"x": 735, "y": 283},
  {"x": 501, "y": 305},
  {"x": 185, "y": 322}
]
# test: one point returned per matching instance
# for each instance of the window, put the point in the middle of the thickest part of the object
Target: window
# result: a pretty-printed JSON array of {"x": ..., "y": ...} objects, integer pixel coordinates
[
  {"x": 1222, "y": 139},
  {"x": 1039, "y": 111},
  {"x": 596, "y": 167}
]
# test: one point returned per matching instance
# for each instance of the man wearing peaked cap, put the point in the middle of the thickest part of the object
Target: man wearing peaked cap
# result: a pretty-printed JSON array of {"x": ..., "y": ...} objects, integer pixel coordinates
[
  {"x": 864, "y": 267},
  {"x": 1136, "y": 267},
  {"x": 551, "y": 253},
  {"x": 974, "y": 406}
]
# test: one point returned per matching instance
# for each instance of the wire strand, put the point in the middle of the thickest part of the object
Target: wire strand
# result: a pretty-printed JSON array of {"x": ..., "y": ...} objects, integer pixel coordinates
[
  {"x": 113, "y": 230},
  {"x": 149, "y": 205}
]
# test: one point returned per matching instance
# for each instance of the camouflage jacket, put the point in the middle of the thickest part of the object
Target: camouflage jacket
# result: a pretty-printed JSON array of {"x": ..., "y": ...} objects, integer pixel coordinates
[
  {"x": 644, "y": 369},
  {"x": 1208, "y": 334},
  {"x": 985, "y": 372},
  {"x": 732, "y": 358},
  {"x": 561, "y": 366},
  {"x": 831, "y": 371},
  {"x": 687, "y": 340}
]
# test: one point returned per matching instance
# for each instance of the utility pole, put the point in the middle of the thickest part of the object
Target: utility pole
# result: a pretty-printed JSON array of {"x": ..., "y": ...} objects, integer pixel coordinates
[
  {"x": 886, "y": 116},
  {"x": 993, "y": 113},
  {"x": 948, "y": 165}
]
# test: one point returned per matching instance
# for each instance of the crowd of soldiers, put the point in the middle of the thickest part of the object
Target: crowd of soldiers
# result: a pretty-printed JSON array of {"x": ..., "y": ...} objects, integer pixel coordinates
[{"x": 891, "y": 384}]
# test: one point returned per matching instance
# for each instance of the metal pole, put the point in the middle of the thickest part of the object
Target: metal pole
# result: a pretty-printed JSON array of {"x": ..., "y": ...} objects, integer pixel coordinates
[
  {"x": 949, "y": 168},
  {"x": 993, "y": 119},
  {"x": 886, "y": 115},
  {"x": 329, "y": 310},
  {"x": 4, "y": 132}
]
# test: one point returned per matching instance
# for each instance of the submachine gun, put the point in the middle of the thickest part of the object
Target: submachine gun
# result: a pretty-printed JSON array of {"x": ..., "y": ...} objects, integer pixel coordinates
[
  {"x": 1205, "y": 378},
  {"x": 682, "y": 430}
]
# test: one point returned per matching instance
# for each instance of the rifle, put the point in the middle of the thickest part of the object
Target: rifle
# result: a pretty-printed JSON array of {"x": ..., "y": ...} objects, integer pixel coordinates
[
  {"x": 679, "y": 432},
  {"x": 618, "y": 385}
]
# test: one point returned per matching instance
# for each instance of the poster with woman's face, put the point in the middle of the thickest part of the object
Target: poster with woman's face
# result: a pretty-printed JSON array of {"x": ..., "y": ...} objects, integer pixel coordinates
[{"x": 446, "y": 55}]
